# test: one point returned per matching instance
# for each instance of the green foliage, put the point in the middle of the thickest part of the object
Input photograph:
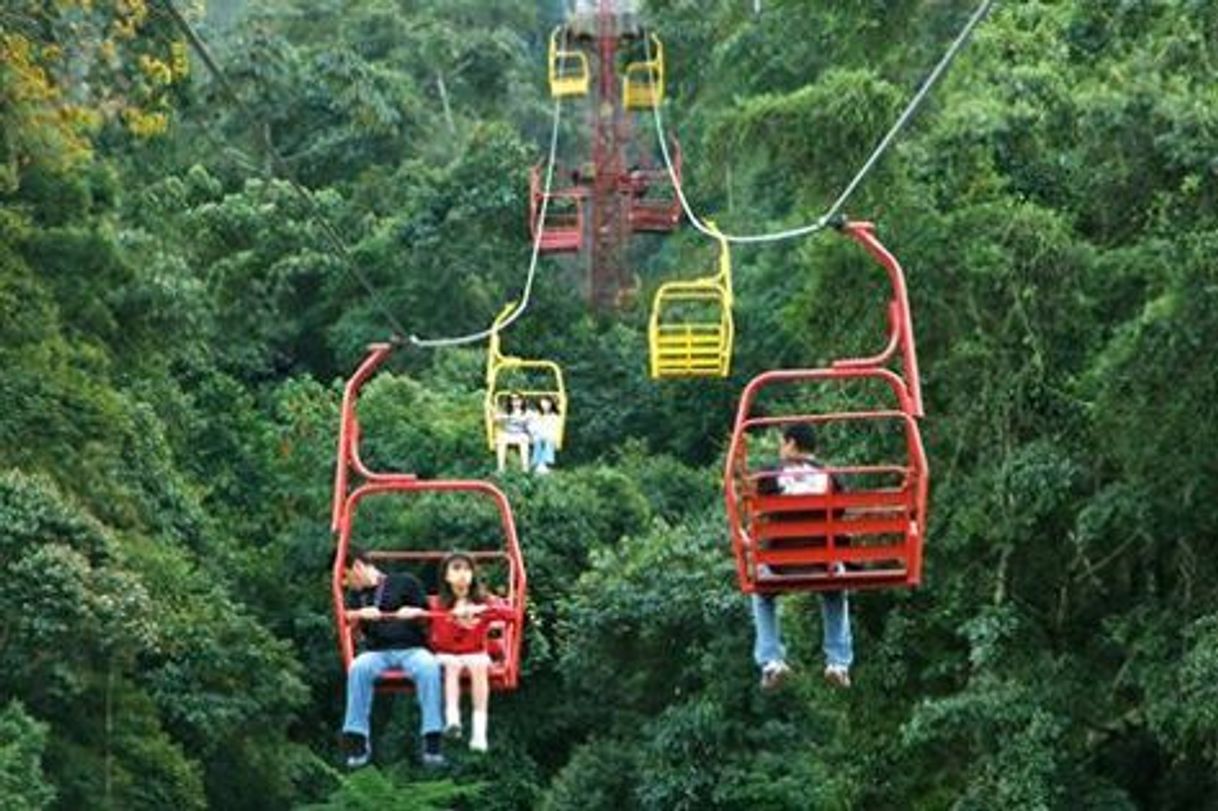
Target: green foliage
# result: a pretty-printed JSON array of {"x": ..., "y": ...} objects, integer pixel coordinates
[
  {"x": 373, "y": 790},
  {"x": 22, "y": 739},
  {"x": 173, "y": 318}
]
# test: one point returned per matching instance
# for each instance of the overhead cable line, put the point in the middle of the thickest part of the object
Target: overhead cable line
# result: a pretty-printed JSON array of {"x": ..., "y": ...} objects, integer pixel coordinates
[
  {"x": 282, "y": 170},
  {"x": 482, "y": 335},
  {"x": 834, "y": 210},
  {"x": 527, "y": 294},
  {"x": 338, "y": 246}
]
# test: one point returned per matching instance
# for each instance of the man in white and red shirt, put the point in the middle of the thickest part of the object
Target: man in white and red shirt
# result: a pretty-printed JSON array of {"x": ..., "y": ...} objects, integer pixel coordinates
[{"x": 799, "y": 473}]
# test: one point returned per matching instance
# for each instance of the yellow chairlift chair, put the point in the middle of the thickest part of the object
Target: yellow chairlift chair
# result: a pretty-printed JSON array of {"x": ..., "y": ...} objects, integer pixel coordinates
[
  {"x": 500, "y": 366},
  {"x": 643, "y": 82},
  {"x": 568, "y": 70},
  {"x": 691, "y": 331}
]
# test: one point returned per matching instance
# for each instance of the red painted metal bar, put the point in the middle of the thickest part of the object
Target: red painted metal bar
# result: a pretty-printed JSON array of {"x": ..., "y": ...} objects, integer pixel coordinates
[
  {"x": 826, "y": 555},
  {"x": 400, "y": 554},
  {"x": 609, "y": 278},
  {"x": 912, "y": 496},
  {"x": 651, "y": 214},
  {"x": 346, "y": 500},
  {"x": 812, "y": 375},
  {"x": 840, "y": 499},
  {"x": 794, "y": 530},
  {"x": 517, "y": 580},
  {"x": 563, "y": 230},
  {"x": 347, "y": 428},
  {"x": 900, "y": 317},
  {"x": 836, "y": 416}
]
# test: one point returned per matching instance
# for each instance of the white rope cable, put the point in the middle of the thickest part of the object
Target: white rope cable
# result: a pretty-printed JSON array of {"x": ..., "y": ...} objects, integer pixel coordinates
[
  {"x": 822, "y": 221},
  {"x": 474, "y": 337}
]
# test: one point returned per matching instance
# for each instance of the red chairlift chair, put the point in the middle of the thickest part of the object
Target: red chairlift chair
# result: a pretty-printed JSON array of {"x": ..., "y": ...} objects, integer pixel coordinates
[
  {"x": 563, "y": 229},
  {"x": 654, "y": 205},
  {"x": 869, "y": 534},
  {"x": 505, "y": 636}
]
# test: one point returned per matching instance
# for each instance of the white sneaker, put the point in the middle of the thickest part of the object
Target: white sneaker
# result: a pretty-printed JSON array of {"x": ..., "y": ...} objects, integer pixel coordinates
[
  {"x": 773, "y": 674},
  {"x": 838, "y": 675},
  {"x": 477, "y": 744},
  {"x": 542, "y": 469}
]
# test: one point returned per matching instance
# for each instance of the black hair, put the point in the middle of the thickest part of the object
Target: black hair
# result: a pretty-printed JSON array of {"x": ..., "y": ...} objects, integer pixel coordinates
[
  {"x": 354, "y": 553},
  {"x": 802, "y": 435},
  {"x": 477, "y": 592}
]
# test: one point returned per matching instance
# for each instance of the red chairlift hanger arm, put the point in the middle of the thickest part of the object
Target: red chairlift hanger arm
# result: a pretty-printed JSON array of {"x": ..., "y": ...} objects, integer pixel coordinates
[
  {"x": 346, "y": 499},
  {"x": 900, "y": 319},
  {"x": 348, "y": 458}
]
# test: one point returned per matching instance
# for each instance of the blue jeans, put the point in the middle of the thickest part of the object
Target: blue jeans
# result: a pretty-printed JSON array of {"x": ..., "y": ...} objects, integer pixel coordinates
[
  {"x": 543, "y": 452},
  {"x": 419, "y": 664},
  {"x": 835, "y": 619}
]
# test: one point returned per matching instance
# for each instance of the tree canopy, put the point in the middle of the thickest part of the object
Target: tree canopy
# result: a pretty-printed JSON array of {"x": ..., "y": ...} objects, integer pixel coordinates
[{"x": 175, "y": 323}]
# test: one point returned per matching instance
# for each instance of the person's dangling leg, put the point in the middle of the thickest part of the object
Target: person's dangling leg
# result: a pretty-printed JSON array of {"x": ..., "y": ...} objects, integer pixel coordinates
[
  {"x": 452, "y": 697},
  {"x": 479, "y": 680},
  {"x": 424, "y": 671},
  {"x": 767, "y": 641},
  {"x": 361, "y": 681},
  {"x": 768, "y": 651},
  {"x": 501, "y": 451},
  {"x": 838, "y": 639}
]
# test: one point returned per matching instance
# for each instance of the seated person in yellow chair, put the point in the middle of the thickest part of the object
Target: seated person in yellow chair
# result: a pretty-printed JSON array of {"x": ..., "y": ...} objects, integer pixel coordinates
[{"x": 512, "y": 429}]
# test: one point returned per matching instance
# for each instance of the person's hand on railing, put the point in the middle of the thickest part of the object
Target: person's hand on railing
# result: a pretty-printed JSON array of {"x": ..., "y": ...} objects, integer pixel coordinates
[{"x": 374, "y": 614}]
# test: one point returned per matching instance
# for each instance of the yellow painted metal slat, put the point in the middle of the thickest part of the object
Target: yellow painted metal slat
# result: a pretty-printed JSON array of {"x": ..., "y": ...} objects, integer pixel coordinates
[{"x": 699, "y": 348}]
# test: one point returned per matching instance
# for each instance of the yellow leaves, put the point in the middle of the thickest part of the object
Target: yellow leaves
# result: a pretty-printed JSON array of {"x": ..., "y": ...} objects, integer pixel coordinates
[
  {"x": 130, "y": 15},
  {"x": 144, "y": 124},
  {"x": 134, "y": 10},
  {"x": 38, "y": 125},
  {"x": 162, "y": 72},
  {"x": 123, "y": 28},
  {"x": 155, "y": 70},
  {"x": 178, "y": 60},
  {"x": 80, "y": 118},
  {"x": 32, "y": 118},
  {"x": 24, "y": 78}
]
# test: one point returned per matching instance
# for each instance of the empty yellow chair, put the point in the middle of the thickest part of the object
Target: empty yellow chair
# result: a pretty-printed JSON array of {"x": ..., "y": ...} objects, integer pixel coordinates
[
  {"x": 643, "y": 82},
  {"x": 534, "y": 379},
  {"x": 568, "y": 70},
  {"x": 691, "y": 330}
]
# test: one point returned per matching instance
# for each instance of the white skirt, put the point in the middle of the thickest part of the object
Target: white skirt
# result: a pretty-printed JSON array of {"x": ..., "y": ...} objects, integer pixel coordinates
[{"x": 463, "y": 660}]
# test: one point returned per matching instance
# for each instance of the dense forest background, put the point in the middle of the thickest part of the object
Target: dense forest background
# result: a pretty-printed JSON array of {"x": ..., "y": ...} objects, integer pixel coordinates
[{"x": 175, "y": 325}]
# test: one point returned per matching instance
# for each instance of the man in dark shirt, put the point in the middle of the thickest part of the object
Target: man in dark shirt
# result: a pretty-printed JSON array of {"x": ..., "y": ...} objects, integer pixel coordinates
[
  {"x": 390, "y": 608},
  {"x": 799, "y": 473}
]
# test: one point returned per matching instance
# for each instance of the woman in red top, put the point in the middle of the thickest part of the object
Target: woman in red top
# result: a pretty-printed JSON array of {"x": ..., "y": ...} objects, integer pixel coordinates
[{"x": 459, "y": 641}]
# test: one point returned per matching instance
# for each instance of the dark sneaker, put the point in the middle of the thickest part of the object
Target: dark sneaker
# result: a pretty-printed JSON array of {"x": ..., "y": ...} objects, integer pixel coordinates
[
  {"x": 774, "y": 674},
  {"x": 452, "y": 731},
  {"x": 356, "y": 750},
  {"x": 838, "y": 675}
]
